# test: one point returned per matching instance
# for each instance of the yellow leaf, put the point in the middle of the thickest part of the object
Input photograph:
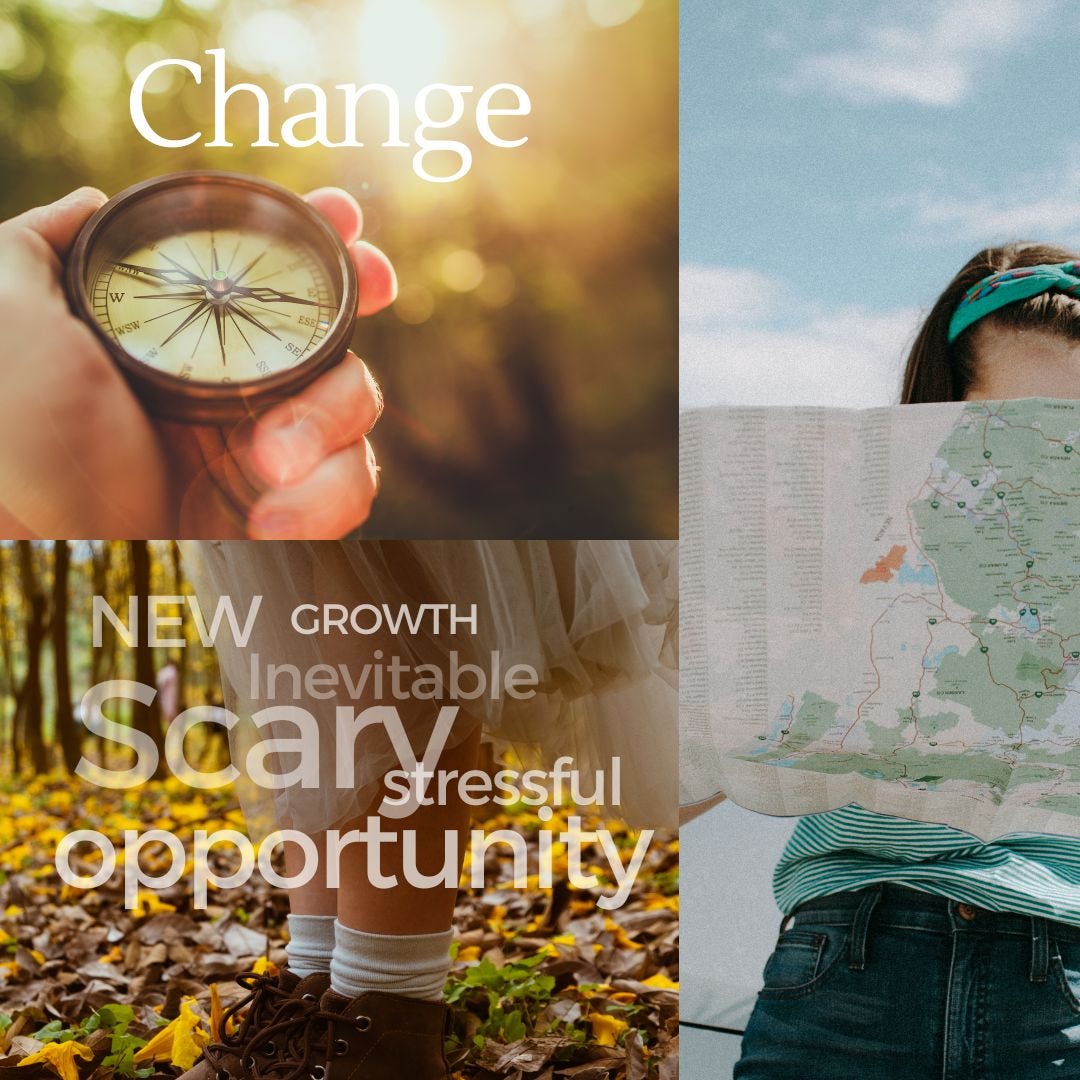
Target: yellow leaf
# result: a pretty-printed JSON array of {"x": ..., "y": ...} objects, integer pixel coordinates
[
  {"x": 12, "y": 911},
  {"x": 620, "y": 935},
  {"x": 180, "y": 1042},
  {"x": 469, "y": 952},
  {"x": 60, "y": 1057},
  {"x": 148, "y": 903},
  {"x": 660, "y": 981},
  {"x": 216, "y": 1012},
  {"x": 606, "y": 1029},
  {"x": 264, "y": 966},
  {"x": 658, "y": 902}
]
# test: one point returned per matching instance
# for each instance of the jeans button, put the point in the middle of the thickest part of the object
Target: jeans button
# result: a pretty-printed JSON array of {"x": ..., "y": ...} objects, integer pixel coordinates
[{"x": 966, "y": 912}]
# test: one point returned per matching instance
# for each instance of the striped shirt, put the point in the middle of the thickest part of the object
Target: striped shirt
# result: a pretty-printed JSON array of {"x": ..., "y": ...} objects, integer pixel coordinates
[{"x": 850, "y": 848}]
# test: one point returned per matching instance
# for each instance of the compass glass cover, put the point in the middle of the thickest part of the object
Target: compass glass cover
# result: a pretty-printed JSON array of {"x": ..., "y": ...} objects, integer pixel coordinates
[{"x": 213, "y": 283}]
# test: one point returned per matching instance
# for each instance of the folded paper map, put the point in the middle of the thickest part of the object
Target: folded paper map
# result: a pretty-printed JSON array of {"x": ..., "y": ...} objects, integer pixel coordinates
[{"x": 882, "y": 607}]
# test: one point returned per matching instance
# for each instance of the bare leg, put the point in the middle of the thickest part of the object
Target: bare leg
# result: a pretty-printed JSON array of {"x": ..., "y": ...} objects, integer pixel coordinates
[{"x": 404, "y": 909}]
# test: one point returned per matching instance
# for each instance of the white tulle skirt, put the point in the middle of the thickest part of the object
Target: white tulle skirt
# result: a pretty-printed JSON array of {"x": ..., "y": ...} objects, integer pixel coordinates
[{"x": 596, "y": 621}]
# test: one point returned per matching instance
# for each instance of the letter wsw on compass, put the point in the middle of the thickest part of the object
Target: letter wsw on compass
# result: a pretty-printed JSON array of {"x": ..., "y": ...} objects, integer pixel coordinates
[{"x": 216, "y": 294}]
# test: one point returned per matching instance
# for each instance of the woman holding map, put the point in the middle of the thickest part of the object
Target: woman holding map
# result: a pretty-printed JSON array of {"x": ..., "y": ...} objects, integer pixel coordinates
[{"x": 911, "y": 948}]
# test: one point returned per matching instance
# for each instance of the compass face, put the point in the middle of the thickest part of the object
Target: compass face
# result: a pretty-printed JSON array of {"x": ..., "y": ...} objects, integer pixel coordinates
[{"x": 212, "y": 290}]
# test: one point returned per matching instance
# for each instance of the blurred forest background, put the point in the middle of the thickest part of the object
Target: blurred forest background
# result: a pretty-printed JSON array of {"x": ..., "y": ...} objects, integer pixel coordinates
[
  {"x": 529, "y": 364},
  {"x": 47, "y": 658}
]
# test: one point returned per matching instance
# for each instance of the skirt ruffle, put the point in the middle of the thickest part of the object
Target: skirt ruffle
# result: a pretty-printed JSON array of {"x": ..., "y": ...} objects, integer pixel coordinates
[{"x": 596, "y": 620}]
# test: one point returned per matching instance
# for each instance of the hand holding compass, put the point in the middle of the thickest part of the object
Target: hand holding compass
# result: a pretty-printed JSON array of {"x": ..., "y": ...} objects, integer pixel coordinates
[{"x": 78, "y": 456}]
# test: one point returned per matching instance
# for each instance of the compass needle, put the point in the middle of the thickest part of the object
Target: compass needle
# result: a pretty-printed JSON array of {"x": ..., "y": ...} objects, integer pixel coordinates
[
  {"x": 244, "y": 314},
  {"x": 174, "y": 311},
  {"x": 239, "y": 330},
  {"x": 184, "y": 270},
  {"x": 203, "y": 305},
  {"x": 220, "y": 321},
  {"x": 236, "y": 251},
  {"x": 250, "y": 266},
  {"x": 168, "y": 295},
  {"x": 198, "y": 340},
  {"x": 168, "y": 276},
  {"x": 195, "y": 258},
  {"x": 271, "y": 296}
]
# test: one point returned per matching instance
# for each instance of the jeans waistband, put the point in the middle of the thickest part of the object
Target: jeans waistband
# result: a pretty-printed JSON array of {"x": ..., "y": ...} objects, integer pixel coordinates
[{"x": 900, "y": 907}]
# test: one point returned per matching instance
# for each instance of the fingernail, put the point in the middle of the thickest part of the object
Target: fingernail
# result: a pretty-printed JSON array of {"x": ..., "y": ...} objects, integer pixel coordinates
[
  {"x": 272, "y": 525},
  {"x": 83, "y": 194}
]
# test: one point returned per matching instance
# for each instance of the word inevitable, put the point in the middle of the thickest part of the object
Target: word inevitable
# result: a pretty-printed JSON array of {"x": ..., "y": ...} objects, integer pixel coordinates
[
  {"x": 394, "y": 679},
  {"x": 402, "y": 847},
  {"x": 514, "y": 102}
]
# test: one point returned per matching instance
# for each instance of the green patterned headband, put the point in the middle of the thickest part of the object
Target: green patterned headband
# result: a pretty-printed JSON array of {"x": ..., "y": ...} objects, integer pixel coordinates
[{"x": 1010, "y": 286}]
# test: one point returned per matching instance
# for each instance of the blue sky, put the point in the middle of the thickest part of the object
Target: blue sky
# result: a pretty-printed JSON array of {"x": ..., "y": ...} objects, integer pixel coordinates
[{"x": 841, "y": 160}]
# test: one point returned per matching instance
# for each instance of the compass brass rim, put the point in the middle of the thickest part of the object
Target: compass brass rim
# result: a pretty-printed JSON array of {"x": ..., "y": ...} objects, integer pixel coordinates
[{"x": 198, "y": 401}]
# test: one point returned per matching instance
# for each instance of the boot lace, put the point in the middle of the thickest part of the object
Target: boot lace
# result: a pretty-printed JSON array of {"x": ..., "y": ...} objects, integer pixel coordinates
[
  {"x": 304, "y": 1037},
  {"x": 264, "y": 999}
]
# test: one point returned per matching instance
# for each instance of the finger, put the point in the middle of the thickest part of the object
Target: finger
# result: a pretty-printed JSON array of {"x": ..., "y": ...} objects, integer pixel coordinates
[
  {"x": 59, "y": 222},
  {"x": 376, "y": 278},
  {"x": 332, "y": 501},
  {"x": 374, "y": 271},
  {"x": 340, "y": 209},
  {"x": 337, "y": 410}
]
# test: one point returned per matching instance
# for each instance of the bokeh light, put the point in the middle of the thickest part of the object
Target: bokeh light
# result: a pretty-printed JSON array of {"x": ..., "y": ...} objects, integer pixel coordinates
[{"x": 402, "y": 43}]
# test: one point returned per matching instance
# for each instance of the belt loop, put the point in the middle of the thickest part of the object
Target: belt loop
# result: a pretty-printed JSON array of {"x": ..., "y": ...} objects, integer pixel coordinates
[
  {"x": 1040, "y": 949},
  {"x": 860, "y": 926}
]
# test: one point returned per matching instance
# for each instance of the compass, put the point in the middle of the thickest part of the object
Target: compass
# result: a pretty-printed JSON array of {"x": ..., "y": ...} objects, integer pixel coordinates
[{"x": 216, "y": 294}]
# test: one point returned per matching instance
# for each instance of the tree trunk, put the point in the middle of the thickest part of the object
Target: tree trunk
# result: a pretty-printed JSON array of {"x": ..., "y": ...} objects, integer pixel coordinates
[
  {"x": 103, "y": 660},
  {"x": 68, "y": 732},
  {"x": 8, "y": 688},
  {"x": 146, "y": 718},
  {"x": 182, "y": 658},
  {"x": 29, "y": 711}
]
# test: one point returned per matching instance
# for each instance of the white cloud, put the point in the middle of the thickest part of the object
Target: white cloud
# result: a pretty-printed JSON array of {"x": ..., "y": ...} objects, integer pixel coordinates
[
  {"x": 1055, "y": 218},
  {"x": 930, "y": 53},
  {"x": 708, "y": 292},
  {"x": 731, "y": 351},
  {"x": 1036, "y": 204}
]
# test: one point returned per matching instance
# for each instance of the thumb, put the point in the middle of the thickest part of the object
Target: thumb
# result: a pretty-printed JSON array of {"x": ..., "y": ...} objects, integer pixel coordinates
[{"x": 59, "y": 222}]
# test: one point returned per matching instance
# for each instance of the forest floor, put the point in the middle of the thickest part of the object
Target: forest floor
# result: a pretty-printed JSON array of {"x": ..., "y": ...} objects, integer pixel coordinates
[{"x": 545, "y": 984}]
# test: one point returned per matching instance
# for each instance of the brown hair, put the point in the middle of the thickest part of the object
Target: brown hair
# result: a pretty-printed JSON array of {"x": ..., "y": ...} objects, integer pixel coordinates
[{"x": 938, "y": 371}]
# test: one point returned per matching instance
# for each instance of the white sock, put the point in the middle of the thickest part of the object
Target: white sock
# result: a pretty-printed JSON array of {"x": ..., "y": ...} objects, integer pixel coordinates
[
  {"x": 311, "y": 944},
  {"x": 415, "y": 965}
]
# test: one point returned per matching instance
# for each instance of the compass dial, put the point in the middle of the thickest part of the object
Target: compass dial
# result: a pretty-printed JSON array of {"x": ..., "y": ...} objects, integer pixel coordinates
[
  {"x": 224, "y": 306},
  {"x": 214, "y": 292}
]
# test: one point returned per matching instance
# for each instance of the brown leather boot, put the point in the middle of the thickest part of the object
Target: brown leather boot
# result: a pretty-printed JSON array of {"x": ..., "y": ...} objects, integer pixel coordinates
[
  {"x": 375, "y": 1036},
  {"x": 233, "y": 1057}
]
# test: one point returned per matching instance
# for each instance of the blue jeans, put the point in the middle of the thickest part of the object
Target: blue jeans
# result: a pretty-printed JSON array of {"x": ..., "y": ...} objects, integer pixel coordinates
[{"x": 888, "y": 983}]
